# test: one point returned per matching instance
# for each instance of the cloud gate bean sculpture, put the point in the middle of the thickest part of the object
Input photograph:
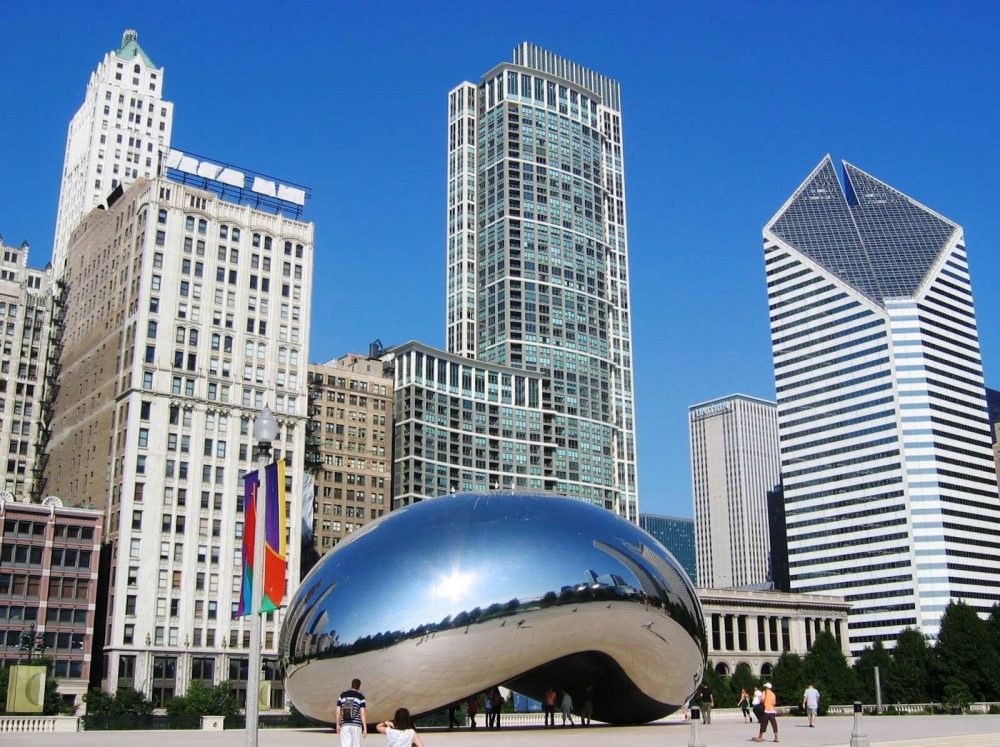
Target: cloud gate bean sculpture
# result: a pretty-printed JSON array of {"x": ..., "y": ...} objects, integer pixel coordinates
[{"x": 447, "y": 597}]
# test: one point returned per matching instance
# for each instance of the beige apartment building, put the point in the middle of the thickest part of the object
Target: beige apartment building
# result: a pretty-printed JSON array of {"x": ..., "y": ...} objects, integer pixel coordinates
[
  {"x": 350, "y": 445},
  {"x": 187, "y": 312},
  {"x": 27, "y": 310}
]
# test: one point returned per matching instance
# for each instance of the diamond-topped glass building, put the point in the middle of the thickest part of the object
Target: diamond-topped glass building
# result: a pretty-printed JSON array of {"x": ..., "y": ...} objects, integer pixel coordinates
[
  {"x": 538, "y": 257},
  {"x": 890, "y": 494}
]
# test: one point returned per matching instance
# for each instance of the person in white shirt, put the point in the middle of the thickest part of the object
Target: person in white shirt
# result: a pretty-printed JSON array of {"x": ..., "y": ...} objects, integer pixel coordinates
[
  {"x": 810, "y": 701},
  {"x": 400, "y": 732}
]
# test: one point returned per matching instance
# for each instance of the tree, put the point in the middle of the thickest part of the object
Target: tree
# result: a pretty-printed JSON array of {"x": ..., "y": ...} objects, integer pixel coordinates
[
  {"x": 126, "y": 709},
  {"x": 864, "y": 669},
  {"x": 719, "y": 685},
  {"x": 186, "y": 712},
  {"x": 993, "y": 625},
  {"x": 906, "y": 680},
  {"x": 789, "y": 679},
  {"x": 826, "y": 667},
  {"x": 960, "y": 654},
  {"x": 742, "y": 679}
]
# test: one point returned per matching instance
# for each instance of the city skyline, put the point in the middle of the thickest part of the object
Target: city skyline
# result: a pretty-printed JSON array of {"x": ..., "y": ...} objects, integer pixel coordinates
[{"x": 693, "y": 124}]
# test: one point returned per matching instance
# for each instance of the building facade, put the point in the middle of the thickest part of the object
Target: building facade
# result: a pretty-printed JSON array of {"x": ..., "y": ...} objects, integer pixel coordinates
[
  {"x": 27, "y": 309},
  {"x": 537, "y": 256},
  {"x": 49, "y": 560},
  {"x": 677, "y": 535},
  {"x": 993, "y": 413},
  {"x": 188, "y": 305},
  {"x": 734, "y": 462},
  {"x": 115, "y": 137},
  {"x": 888, "y": 476},
  {"x": 462, "y": 425},
  {"x": 757, "y": 627},
  {"x": 350, "y": 431}
]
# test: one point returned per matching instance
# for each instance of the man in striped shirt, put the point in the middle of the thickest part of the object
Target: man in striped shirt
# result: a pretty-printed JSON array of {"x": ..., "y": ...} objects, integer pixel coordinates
[{"x": 352, "y": 716}]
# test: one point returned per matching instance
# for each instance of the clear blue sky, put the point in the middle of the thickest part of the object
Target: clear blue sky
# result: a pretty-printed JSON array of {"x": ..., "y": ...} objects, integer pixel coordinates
[{"x": 727, "y": 107}]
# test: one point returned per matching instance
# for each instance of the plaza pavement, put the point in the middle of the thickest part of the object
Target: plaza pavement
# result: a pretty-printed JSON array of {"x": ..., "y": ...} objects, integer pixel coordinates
[{"x": 831, "y": 731}]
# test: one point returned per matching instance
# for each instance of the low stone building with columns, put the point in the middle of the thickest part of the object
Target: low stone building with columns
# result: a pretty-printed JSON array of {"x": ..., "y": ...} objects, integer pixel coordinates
[{"x": 757, "y": 627}]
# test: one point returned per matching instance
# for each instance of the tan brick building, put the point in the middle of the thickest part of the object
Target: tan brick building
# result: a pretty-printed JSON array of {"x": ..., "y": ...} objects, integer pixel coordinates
[{"x": 350, "y": 445}]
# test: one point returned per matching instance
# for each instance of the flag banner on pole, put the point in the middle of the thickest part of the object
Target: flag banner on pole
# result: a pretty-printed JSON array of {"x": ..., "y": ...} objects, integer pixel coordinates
[{"x": 274, "y": 539}]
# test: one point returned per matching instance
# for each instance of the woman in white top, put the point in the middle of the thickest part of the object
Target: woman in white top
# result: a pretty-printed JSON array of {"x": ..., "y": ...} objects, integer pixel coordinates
[{"x": 399, "y": 732}]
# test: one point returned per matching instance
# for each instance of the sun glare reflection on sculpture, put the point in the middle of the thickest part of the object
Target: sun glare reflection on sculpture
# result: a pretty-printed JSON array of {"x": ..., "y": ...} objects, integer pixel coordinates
[{"x": 454, "y": 586}]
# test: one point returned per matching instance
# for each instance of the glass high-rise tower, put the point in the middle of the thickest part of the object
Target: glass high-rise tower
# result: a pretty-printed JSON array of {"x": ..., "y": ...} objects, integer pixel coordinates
[
  {"x": 888, "y": 478},
  {"x": 538, "y": 256}
]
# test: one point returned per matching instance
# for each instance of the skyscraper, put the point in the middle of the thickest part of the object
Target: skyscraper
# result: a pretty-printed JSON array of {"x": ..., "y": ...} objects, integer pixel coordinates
[
  {"x": 887, "y": 471},
  {"x": 115, "y": 137},
  {"x": 187, "y": 312},
  {"x": 677, "y": 535},
  {"x": 734, "y": 462},
  {"x": 537, "y": 257}
]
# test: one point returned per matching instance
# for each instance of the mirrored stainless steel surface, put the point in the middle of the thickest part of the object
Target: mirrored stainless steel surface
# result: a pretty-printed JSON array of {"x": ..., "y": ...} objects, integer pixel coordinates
[{"x": 447, "y": 597}]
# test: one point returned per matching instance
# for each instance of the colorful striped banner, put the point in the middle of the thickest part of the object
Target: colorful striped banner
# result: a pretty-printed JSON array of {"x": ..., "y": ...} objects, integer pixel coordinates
[{"x": 274, "y": 539}]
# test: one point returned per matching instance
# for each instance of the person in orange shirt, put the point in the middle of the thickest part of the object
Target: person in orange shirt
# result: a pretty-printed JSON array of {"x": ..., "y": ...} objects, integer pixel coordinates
[
  {"x": 549, "y": 706},
  {"x": 770, "y": 713}
]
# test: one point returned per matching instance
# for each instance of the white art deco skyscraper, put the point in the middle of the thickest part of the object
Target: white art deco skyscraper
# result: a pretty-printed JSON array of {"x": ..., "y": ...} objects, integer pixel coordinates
[
  {"x": 115, "y": 137},
  {"x": 734, "y": 462},
  {"x": 538, "y": 258},
  {"x": 889, "y": 489}
]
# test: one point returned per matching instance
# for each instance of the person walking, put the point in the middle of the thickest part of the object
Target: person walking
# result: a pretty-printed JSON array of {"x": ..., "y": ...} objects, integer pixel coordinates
[
  {"x": 488, "y": 709},
  {"x": 497, "y": 698},
  {"x": 351, "y": 720},
  {"x": 810, "y": 701},
  {"x": 549, "y": 706},
  {"x": 744, "y": 704},
  {"x": 587, "y": 710},
  {"x": 453, "y": 722},
  {"x": 770, "y": 704},
  {"x": 707, "y": 701},
  {"x": 472, "y": 708},
  {"x": 757, "y": 703},
  {"x": 567, "y": 708},
  {"x": 400, "y": 732}
]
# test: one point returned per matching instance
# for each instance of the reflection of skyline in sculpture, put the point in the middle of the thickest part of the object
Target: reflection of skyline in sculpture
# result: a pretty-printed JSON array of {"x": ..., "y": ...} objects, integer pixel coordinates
[{"x": 507, "y": 588}]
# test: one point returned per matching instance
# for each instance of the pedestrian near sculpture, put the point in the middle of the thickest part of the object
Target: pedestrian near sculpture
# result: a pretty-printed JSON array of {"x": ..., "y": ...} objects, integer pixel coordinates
[
  {"x": 497, "y": 698},
  {"x": 810, "y": 701},
  {"x": 453, "y": 722},
  {"x": 757, "y": 703},
  {"x": 488, "y": 710},
  {"x": 707, "y": 701},
  {"x": 587, "y": 709},
  {"x": 549, "y": 706},
  {"x": 472, "y": 708},
  {"x": 770, "y": 713},
  {"x": 744, "y": 704},
  {"x": 400, "y": 732},
  {"x": 351, "y": 720},
  {"x": 567, "y": 708}
]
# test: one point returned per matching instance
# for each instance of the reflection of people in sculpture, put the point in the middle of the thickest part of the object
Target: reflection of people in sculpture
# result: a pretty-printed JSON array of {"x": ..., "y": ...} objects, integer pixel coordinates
[
  {"x": 472, "y": 708},
  {"x": 549, "y": 706},
  {"x": 567, "y": 708},
  {"x": 400, "y": 732},
  {"x": 352, "y": 716}
]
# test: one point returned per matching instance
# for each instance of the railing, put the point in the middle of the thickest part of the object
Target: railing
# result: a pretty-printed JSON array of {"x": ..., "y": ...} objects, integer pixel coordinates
[{"x": 22, "y": 724}]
